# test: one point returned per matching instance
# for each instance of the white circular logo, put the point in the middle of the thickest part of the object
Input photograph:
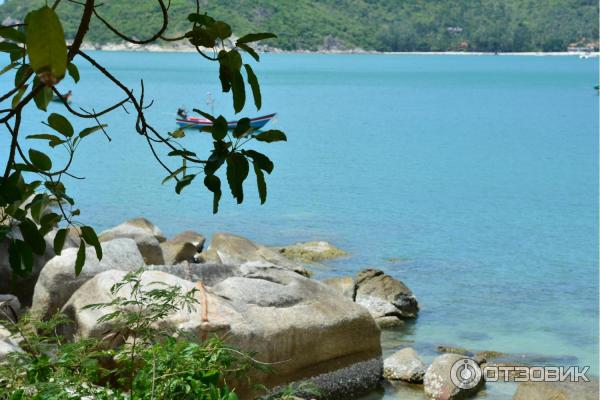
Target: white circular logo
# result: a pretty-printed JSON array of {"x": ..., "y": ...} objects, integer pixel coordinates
[{"x": 465, "y": 373}]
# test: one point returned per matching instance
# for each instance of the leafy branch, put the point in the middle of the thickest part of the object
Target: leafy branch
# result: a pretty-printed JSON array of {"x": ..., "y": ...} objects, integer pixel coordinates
[{"x": 40, "y": 58}]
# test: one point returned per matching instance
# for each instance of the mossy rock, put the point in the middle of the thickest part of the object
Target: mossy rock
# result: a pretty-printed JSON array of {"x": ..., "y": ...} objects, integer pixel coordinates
[{"x": 311, "y": 252}]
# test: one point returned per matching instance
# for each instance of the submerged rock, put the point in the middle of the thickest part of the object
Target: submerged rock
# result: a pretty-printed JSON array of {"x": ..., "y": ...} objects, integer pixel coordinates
[
  {"x": 557, "y": 391},
  {"x": 384, "y": 296},
  {"x": 404, "y": 365},
  {"x": 57, "y": 281},
  {"x": 438, "y": 382},
  {"x": 454, "y": 350},
  {"x": 310, "y": 252},
  {"x": 147, "y": 236},
  {"x": 235, "y": 250},
  {"x": 296, "y": 322}
]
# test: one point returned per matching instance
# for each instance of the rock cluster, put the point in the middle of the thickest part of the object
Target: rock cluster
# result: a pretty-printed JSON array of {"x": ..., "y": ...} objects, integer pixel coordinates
[{"x": 259, "y": 299}]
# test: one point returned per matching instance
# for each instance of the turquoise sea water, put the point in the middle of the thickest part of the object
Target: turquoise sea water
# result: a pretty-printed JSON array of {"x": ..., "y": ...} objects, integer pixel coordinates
[{"x": 473, "y": 179}]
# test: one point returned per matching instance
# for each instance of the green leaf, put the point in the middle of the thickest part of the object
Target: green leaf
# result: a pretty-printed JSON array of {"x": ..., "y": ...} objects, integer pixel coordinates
[
  {"x": 61, "y": 124},
  {"x": 17, "y": 97},
  {"x": 182, "y": 153},
  {"x": 213, "y": 183},
  {"x": 7, "y": 47},
  {"x": 253, "y": 82},
  {"x": 183, "y": 182},
  {"x": 254, "y": 37},
  {"x": 32, "y": 236},
  {"x": 239, "y": 91},
  {"x": 40, "y": 160},
  {"x": 53, "y": 140},
  {"x": 221, "y": 29},
  {"x": 232, "y": 396},
  {"x": 201, "y": 19},
  {"x": 73, "y": 72},
  {"x": 205, "y": 115},
  {"x": 80, "y": 260},
  {"x": 219, "y": 128},
  {"x": 249, "y": 50},
  {"x": 272, "y": 135},
  {"x": 59, "y": 240},
  {"x": 22, "y": 74},
  {"x": 12, "y": 34},
  {"x": 225, "y": 77},
  {"x": 237, "y": 172},
  {"x": 261, "y": 184},
  {"x": 242, "y": 127},
  {"x": 174, "y": 174},
  {"x": 259, "y": 159},
  {"x": 8, "y": 68},
  {"x": 43, "y": 97},
  {"x": 89, "y": 235},
  {"x": 48, "y": 222},
  {"x": 36, "y": 207},
  {"x": 20, "y": 258},
  {"x": 213, "y": 163},
  {"x": 178, "y": 134},
  {"x": 88, "y": 131},
  {"x": 46, "y": 45},
  {"x": 233, "y": 60}
]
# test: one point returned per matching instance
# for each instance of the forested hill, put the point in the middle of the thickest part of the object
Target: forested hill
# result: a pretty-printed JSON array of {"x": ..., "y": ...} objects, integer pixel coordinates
[{"x": 384, "y": 25}]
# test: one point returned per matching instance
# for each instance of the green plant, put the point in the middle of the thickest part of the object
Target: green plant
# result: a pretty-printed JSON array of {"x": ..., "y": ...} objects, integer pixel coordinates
[
  {"x": 39, "y": 58},
  {"x": 136, "y": 360}
]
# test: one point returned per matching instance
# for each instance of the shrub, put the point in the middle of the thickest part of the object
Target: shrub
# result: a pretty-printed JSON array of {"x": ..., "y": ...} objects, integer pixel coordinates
[{"x": 149, "y": 364}]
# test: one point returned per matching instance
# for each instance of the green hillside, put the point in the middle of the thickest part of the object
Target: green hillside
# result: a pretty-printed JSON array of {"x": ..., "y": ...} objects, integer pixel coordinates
[{"x": 385, "y": 25}]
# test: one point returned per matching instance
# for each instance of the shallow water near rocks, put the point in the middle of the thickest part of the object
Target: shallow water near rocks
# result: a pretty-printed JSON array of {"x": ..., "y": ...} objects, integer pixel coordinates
[{"x": 473, "y": 179}]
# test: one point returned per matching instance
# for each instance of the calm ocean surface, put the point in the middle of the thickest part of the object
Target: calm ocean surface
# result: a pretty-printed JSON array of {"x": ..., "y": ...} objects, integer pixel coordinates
[{"x": 473, "y": 179}]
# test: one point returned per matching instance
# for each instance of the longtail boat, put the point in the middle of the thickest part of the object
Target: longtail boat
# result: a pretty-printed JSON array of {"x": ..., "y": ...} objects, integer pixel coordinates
[{"x": 199, "y": 123}]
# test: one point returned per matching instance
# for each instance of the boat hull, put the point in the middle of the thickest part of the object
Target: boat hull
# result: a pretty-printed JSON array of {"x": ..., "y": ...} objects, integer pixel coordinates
[{"x": 199, "y": 123}]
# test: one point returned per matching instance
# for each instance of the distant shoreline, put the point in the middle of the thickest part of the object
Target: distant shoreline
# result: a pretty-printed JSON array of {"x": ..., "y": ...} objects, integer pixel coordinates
[{"x": 185, "y": 49}]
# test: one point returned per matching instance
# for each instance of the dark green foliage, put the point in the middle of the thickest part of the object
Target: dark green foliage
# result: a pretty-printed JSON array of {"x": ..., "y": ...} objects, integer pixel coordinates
[{"x": 487, "y": 25}]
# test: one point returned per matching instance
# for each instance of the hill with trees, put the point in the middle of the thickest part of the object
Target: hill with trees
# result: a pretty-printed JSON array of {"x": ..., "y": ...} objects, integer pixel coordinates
[{"x": 418, "y": 25}]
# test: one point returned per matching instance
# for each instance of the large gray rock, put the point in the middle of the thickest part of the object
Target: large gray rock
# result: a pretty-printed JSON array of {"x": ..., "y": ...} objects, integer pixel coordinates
[
  {"x": 301, "y": 325},
  {"x": 438, "y": 382},
  {"x": 10, "y": 307},
  {"x": 57, "y": 281},
  {"x": 209, "y": 274},
  {"x": 137, "y": 223},
  {"x": 311, "y": 252},
  {"x": 384, "y": 296},
  {"x": 404, "y": 365},
  {"x": 557, "y": 391},
  {"x": 147, "y": 236},
  {"x": 175, "y": 252},
  {"x": 235, "y": 250},
  {"x": 9, "y": 343},
  {"x": 192, "y": 237}
]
